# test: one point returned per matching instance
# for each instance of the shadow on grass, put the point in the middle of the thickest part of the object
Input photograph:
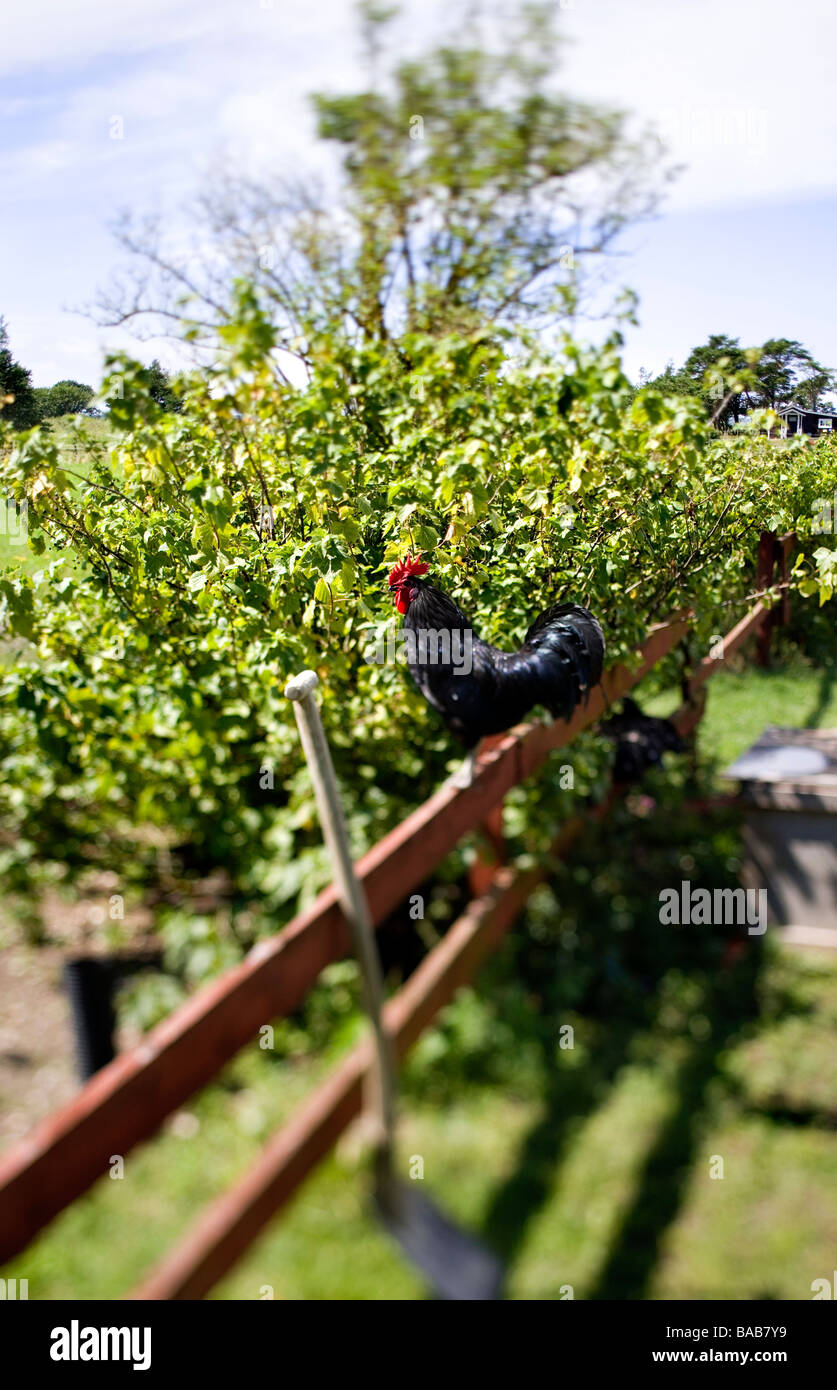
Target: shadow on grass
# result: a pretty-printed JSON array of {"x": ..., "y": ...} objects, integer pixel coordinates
[
  {"x": 570, "y": 1097},
  {"x": 629, "y": 997},
  {"x": 827, "y": 677},
  {"x": 574, "y": 1095},
  {"x": 630, "y": 1262},
  {"x": 596, "y": 949}
]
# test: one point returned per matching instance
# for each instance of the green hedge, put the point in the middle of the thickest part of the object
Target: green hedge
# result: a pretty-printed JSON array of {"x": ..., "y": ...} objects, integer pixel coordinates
[{"x": 207, "y": 556}]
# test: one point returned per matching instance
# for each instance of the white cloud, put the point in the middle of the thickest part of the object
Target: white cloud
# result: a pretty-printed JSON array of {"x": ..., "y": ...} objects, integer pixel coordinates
[
  {"x": 745, "y": 92},
  {"x": 43, "y": 33}
]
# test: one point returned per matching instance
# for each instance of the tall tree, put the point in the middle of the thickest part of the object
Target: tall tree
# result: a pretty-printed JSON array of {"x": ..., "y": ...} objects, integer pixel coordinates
[
  {"x": 473, "y": 193},
  {"x": 811, "y": 389},
  {"x": 718, "y": 371},
  {"x": 64, "y": 398},
  {"x": 161, "y": 390},
  {"x": 781, "y": 363},
  {"x": 730, "y": 380},
  {"x": 17, "y": 395}
]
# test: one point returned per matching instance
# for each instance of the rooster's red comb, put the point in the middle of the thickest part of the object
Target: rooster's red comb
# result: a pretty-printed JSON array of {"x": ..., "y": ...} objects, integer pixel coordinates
[{"x": 405, "y": 568}]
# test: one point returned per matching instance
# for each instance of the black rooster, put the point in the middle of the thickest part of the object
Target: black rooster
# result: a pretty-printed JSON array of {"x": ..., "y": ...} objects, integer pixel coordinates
[
  {"x": 640, "y": 741},
  {"x": 479, "y": 690}
]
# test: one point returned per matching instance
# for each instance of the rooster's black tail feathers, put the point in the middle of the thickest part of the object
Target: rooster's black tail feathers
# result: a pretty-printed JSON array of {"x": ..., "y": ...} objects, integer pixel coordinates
[{"x": 567, "y": 646}]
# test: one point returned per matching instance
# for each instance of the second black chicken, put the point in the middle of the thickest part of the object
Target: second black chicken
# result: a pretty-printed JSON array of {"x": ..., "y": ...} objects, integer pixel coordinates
[{"x": 640, "y": 741}]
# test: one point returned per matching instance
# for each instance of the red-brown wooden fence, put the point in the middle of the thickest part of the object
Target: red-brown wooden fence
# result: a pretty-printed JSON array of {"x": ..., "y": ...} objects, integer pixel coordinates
[{"x": 126, "y": 1102}]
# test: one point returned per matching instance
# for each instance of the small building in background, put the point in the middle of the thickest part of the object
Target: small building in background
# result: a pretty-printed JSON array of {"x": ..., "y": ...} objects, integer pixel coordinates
[{"x": 796, "y": 419}]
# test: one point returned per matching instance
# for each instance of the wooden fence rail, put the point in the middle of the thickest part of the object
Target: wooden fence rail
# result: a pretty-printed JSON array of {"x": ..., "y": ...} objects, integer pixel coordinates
[
  {"x": 129, "y": 1098},
  {"x": 228, "y": 1226},
  {"x": 127, "y": 1101}
]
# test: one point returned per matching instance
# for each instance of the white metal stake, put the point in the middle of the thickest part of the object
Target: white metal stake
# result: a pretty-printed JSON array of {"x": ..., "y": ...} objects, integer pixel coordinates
[
  {"x": 453, "y": 1262},
  {"x": 352, "y": 899}
]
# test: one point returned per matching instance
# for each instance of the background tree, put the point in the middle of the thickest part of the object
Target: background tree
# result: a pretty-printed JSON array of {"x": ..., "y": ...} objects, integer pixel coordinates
[
  {"x": 64, "y": 398},
  {"x": 781, "y": 363},
  {"x": 471, "y": 192},
  {"x": 787, "y": 371},
  {"x": 810, "y": 391},
  {"x": 672, "y": 381},
  {"x": 730, "y": 380},
  {"x": 718, "y": 374},
  {"x": 15, "y": 382},
  {"x": 161, "y": 389},
  {"x": 715, "y": 370}
]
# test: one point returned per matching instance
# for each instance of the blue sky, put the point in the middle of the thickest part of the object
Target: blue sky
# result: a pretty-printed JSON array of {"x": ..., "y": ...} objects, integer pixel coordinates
[
  {"x": 744, "y": 245},
  {"x": 755, "y": 271}
]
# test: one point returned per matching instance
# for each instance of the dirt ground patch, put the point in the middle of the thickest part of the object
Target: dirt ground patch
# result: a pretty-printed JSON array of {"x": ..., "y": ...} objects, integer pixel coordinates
[
  {"x": 37, "y": 1061},
  {"x": 38, "y": 1067}
]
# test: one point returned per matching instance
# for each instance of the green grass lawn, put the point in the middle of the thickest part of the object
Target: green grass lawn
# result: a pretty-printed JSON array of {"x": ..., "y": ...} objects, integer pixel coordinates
[
  {"x": 742, "y": 702},
  {"x": 14, "y": 552},
  {"x": 596, "y": 1169}
]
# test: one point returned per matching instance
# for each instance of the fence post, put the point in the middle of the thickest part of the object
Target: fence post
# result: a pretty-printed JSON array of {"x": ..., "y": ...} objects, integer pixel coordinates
[
  {"x": 484, "y": 868},
  {"x": 482, "y": 872},
  {"x": 785, "y": 547},
  {"x": 764, "y": 579}
]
